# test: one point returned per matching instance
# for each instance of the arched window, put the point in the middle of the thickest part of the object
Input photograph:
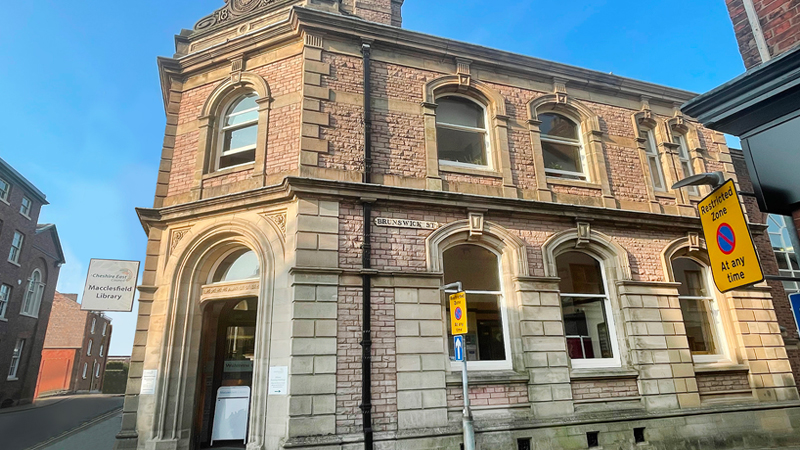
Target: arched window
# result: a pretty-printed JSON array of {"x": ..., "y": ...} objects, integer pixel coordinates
[
  {"x": 102, "y": 350},
  {"x": 239, "y": 265},
  {"x": 94, "y": 323},
  {"x": 588, "y": 318},
  {"x": 89, "y": 348},
  {"x": 700, "y": 313},
  {"x": 85, "y": 369},
  {"x": 653, "y": 159},
  {"x": 33, "y": 295},
  {"x": 478, "y": 269},
  {"x": 97, "y": 370},
  {"x": 561, "y": 147},
  {"x": 238, "y": 132},
  {"x": 461, "y": 133},
  {"x": 782, "y": 235},
  {"x": 685, "y": 158}
]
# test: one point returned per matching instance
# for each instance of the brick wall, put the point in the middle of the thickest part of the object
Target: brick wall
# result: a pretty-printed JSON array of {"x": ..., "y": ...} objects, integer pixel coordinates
[
  {"x": 67, "y": 323},
  {"x": 492, "y": 395},
  {"x": 778, "y": 20},
  {"x": 716, "y": 382},
  {"x": 599, "y": 389}
]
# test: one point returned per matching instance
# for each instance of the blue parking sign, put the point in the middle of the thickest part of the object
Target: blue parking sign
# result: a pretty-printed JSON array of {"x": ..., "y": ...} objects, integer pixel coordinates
[
  {"x": 458, "y": 347},
  {"x": 794, "y": 300}
]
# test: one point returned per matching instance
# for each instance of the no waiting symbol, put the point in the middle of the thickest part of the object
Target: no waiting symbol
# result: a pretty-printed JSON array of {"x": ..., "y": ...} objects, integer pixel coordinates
[
  {"x": 458, "y": 313},
  {"x": 726, "y": 239}
]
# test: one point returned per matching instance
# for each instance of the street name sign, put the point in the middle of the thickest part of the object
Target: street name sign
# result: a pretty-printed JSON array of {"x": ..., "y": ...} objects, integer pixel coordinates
[
  {"x": 458, "y": 313},
  {"x": 733, "y": 257},
  {"x": 458, "y": 347}
]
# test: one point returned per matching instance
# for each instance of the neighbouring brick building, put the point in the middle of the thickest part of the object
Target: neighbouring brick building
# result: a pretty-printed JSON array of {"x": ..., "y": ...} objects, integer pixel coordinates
[
  {"x": 760, "y": 107},
  {"x": 75, "y": 348},
  {"x": 30, "y": 260},
  {"x": 544, "y": 188}
]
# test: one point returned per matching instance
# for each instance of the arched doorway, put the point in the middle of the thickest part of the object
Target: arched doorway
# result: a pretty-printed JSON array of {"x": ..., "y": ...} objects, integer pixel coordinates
[{"x": 227, "y": 347}]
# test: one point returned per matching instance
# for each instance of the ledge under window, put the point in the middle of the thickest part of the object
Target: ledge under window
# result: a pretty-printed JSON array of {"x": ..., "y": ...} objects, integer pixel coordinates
[
  {"x": 603, "y": 373},
  {"x": 468, "y": 169},
  {"x": 29, "y": 315},
  {"x": 229, "y": 170},
  {"x": 722, "y": 366},
  {"x": 664, "y": 194},
  {"x": 482, "y": 378},
  {"x": 573, "y": 183}
]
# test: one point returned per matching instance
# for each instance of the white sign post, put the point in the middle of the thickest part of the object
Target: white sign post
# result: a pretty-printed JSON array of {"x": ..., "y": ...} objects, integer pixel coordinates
[{"x": 110, "y": 285}]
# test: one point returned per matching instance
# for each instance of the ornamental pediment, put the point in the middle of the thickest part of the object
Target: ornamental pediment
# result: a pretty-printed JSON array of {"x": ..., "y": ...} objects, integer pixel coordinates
[{"x": 236, "y": 9}]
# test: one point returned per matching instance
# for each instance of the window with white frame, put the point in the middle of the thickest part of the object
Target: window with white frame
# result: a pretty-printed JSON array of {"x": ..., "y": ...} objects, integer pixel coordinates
[
  {"x": 5, "y": 189},
  {"x": 701, "y": 315},
  {"x": 562, "y": 148},
  {"x": 782, "y": 235},
  {"x": 685, "y": 159},
  {"x": 461, "y": 134},
  {"x": 94, "y": 323},
  {"x": 97, "y": 370},
  {"x": 5, "y": 297},
  {"x": 478, "y": 269},
  {"x": 25, "y": 207},
  {"x": 586, "y": 306},
  {"x": 105, "y": 328},
  {"x": 238, "y": 132},
  {"x": 102, "y": 350},
  {"x": 33, "y": 295},
  {"x": 16, "y": 247},
  {"x": 653, "y": 159},
  {"x": 89, "y": 348},
  {"x": 16, "y": 357},
  {"x": 85, "y": 369}
]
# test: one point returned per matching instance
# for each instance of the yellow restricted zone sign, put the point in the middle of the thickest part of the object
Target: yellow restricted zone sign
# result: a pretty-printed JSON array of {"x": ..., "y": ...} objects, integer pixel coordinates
[
  {"x": 734, "y": 261},
  {"x": 458, "y": 313}
]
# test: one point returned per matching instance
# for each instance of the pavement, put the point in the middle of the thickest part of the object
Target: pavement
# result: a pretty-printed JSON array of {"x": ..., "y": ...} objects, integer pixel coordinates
[{"x": 70, "y": 422}]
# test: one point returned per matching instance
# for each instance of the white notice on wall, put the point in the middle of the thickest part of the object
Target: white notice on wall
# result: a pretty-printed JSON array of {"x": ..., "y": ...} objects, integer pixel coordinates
[
  {"x": 149, "y": 382},
  {"x": 110, "y": 285},
  {"x": 278, "y": 380}
]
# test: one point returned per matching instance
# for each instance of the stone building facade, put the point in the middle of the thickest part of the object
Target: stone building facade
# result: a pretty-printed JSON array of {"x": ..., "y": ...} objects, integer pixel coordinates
[
  {"x": 325, "y": 172},
  {"x": 30, "y": 260},
  {"x": 75, "y": 348}
]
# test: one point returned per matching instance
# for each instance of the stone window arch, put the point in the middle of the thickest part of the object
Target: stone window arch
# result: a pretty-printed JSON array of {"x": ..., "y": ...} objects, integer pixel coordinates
[
  {"x": 706, "y": 313},
  {"x": 649, "y": 143},
  {"x": 241, "y": 106},
  {"x": 456, "y": 88},
  {"x": 687, "y": 154},
  {"x": 589, "y": 266},
  {"x": 504, "y": 254},
  {"x": 594, "y": 173}
]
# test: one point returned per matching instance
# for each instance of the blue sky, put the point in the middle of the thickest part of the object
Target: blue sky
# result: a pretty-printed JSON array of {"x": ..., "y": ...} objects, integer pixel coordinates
[{"x": 83, "y": 117}]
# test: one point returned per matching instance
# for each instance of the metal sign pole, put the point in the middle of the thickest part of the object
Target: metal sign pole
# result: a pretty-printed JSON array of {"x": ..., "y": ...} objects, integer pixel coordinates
[{"x": 467, "y": 423}]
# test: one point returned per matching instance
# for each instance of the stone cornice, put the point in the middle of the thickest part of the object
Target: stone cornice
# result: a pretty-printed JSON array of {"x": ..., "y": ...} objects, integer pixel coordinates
[
  {"x": 293, "y": 187},
  {"x": 302, "y": 18}
]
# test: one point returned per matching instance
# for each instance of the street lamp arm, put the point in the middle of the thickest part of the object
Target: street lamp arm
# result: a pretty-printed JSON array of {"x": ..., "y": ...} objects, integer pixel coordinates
[{"x": 713, "y": 179}]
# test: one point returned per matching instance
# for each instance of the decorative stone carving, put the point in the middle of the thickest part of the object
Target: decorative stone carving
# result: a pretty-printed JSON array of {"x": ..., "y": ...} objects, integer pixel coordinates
[
  {"x": 694, "y": 241},
  {"x": 232, "y": 10},
  {"x": 584, "y": 235},
  {"x": 560, "y": 89},
  {"x": 237, "y": 65},
  {"x": 215, "y": 290},
  {"x": 645, "y": 115},
  {"x": 463, "y": 72},
  {"x": 475, "y": 225},
  {"x": 279, "y": 219},
  {"x": 312, "y": 40},
  {"x": 175, "y": 238}
]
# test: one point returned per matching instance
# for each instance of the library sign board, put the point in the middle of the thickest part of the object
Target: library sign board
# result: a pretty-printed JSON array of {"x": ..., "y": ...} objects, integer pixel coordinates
[
  {"x": 110, "y": 285},
  {"x": 733, "y": 257}
]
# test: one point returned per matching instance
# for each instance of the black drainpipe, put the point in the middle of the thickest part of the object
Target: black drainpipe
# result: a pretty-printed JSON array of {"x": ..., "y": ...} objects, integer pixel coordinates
[{"x": 366, "y": 338}]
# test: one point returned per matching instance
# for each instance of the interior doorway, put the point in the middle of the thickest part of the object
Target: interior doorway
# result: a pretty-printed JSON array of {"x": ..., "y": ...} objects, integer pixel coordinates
[{"x": 226, "y": 360}]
